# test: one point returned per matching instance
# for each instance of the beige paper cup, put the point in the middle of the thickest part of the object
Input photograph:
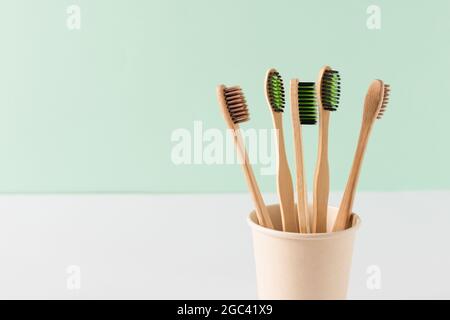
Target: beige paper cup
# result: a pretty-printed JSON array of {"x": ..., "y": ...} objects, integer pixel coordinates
[{"x": 302, "y": 266}]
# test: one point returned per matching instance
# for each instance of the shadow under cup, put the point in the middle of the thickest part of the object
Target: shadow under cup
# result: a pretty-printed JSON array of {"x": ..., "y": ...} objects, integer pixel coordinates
[{"x": 302, "y": 266}]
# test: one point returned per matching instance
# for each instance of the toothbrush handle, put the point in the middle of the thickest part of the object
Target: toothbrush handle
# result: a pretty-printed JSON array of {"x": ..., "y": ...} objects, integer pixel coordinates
[
  {"x": 345, "y": 209},
  {"x": 321, "y": 177},
  {"x": 285, "y": 188},
  {"x": 261, "y": 209},
  {"x": 302, "y": 195}
]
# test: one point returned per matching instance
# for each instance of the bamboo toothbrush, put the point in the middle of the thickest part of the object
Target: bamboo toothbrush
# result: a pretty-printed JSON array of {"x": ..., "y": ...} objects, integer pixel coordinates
[
  {"x": 328, "y": 86},
  {"x": 304, "y": 112},
  {"x": 274, "y": 90},
  {"x": 374, "y": 106},
  {"x": 235, "y": 111}
]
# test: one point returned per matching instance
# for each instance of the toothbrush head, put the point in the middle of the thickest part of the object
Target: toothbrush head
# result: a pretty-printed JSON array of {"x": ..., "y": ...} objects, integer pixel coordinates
[
  {"x": 376, "y": 100},
  {"x": 234, "y": 105},
  {"x": 307, "y": 106},
  {"x": 329, "y": 86},
  {"x": 275, "y": 90},
  {"x": 386, "y": 92}
]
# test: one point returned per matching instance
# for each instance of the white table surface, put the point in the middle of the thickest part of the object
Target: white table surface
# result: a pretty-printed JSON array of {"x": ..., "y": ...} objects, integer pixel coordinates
[{"x": 199, "y": 246}]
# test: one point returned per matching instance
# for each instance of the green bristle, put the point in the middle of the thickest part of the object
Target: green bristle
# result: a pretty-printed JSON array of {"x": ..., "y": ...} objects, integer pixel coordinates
[
  {"x": 307, "y": 103},
  {"x": 276, "y": 91},
  {"x": 331, "y": 90}
]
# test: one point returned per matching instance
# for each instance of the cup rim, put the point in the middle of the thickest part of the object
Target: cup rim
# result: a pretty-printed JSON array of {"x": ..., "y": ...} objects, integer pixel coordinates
[{"x": 302, "y": 236}]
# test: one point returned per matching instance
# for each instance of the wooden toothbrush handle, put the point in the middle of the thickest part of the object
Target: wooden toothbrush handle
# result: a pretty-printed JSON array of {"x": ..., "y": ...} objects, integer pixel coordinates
[
  {"x": 345, "y": 209},
  {"x": 285, "y": 188},
  {"x": 302, "y": 195},
  {"x": 321, "y": 177},
  {"x": 261, "y": 210}
]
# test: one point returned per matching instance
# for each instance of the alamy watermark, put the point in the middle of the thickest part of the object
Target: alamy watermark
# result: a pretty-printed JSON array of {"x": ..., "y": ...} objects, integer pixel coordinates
[
  {"x": 373, "y": 281},
  {"x": 73, "y": 281},
  {"x": 373, "y": 21},
  {"x": 216, "y": 147},
  {"x": 73, "y": 21}
]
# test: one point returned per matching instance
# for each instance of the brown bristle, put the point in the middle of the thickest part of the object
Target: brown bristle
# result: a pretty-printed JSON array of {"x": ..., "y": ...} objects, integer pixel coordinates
[
  {"x": 236, "y": 104},
  {"x": 387, "y": 90}
]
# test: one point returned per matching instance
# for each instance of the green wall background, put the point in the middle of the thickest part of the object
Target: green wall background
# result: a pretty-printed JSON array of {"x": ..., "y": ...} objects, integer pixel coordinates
[{"x": 93, "y": 110}]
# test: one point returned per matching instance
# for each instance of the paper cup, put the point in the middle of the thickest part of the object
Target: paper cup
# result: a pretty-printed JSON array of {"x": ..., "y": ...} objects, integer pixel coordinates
[{"x": 302, "y": 266}]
